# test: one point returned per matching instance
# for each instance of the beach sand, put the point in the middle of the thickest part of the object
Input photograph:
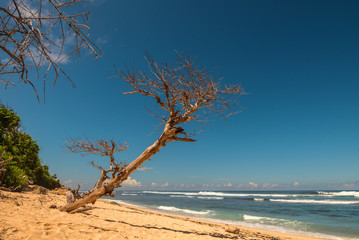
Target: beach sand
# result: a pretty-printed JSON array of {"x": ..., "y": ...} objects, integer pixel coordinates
[{"x": 29, "y": 216}]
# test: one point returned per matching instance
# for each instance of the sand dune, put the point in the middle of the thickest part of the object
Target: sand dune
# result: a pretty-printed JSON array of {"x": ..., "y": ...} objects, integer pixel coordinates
[{"x": 29, "y": 216}]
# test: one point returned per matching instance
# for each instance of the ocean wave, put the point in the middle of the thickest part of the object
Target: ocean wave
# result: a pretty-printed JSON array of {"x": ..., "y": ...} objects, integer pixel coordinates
[
  {"x": 188, "y": 211},
  {"x": 340, "y": 194},
  {"x": 182, "y": 196},
  {"x": 217, "y": 198},
  {"x": 129, "y": 194},
  {"x": 293, "y": 224},
  {"x": 257, "y": 222},
  {"x": 311, "y": 201},
  {"x": 250, "y": 217},
  {"x": 223, "y": 194},
  {"x": 173, "y": 193},
  {"x": 264, "y": 223},
  {"x": 245, "y": 194}
]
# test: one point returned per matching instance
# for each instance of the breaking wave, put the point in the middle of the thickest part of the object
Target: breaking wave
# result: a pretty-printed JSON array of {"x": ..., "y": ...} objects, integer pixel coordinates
[
  {"x": 182, "y": 196},
  {"x": 217, "y": 198},
  {"x": 311, "y": 201},
  {"x": 273, "y": 221},
  {"x": 340, "y": 194},
  {"x": 188, "y": 211},
  {"x": 222, "y": 194}
]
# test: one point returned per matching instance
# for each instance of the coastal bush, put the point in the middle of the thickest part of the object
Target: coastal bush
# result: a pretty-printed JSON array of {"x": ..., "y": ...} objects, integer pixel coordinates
[{"x": 20, "y": 155}]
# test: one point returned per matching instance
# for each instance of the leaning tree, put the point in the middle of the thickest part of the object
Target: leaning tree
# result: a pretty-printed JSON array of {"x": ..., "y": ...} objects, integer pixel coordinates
[
  {"x": 39, "y": 35},
  {"x": 184, "y": 92}
]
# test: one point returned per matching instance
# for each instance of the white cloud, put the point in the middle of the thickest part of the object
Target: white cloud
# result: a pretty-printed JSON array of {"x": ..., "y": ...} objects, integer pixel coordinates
[
  {"x": 26, "y": 10},
  {"x": 56, "y": 40},
  {"x": 349, "y": 185},
  {"x": 67, "y": 183},
  {"x": 240, "y": 186},
  {"x": 268, "y": 185},
  {"x": 165, "y": 184},
  {"x": 153, "y": 184},
  {"x": 296, "y": 184},
  {"x": 131, "y": 182},
  {"x": 252, "y": 184},
  {"x": 228, "y": 185}
]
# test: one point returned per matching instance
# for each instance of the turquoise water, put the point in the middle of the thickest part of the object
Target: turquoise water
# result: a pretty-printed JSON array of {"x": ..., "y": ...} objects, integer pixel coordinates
[{"x": 326, "y": 214}]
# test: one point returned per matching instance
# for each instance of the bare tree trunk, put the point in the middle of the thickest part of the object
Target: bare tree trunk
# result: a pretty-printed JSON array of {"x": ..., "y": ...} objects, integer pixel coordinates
[{"x": 115, "y": 182}]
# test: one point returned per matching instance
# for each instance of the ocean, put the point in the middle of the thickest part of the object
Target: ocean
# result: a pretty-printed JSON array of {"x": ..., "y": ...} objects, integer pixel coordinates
[{"x": 325, "y": 214}]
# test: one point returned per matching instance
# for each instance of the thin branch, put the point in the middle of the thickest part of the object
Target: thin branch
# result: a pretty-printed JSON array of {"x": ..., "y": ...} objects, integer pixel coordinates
[
  {"x": 38, "y": 36},
  {"x": 184, "y": 91}
]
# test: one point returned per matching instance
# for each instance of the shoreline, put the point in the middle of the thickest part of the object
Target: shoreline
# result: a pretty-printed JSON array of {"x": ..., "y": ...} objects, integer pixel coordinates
[
  {"x": 31, "y": 216},
  {"x": 258, "y": 227}
]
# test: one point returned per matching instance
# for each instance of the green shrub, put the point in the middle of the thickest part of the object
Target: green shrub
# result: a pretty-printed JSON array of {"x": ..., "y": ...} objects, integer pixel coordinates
[
  {"x": 14, "y": 176},
  {"x": 24, "y": 154}
]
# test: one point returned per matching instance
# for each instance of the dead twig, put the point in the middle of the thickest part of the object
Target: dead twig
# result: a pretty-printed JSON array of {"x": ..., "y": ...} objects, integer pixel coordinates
[{"x": 40, "y": 35}]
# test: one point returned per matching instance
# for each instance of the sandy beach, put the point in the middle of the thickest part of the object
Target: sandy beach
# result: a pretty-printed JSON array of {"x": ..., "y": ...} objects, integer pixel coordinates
[{"x": 29, "y": 215}]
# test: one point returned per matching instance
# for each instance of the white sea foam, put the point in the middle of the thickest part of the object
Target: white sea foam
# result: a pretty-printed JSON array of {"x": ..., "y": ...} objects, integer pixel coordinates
[
  {"x": 269, "y": 220},
  {"x": 311, "y": 201},
  {"x": 188, "y": 211},
  {"x": 125, "y": 203},
  {"x": 181, "y": 196},
  {"x": 291, "y": 224},
  {"x": 263, "y": 223},
  {"x": 244, "y": 194},
  {"x": 340, "y": 194},
  {"x": 217, "y": 198},
  {"x": 129, "y": 194},
  {"x": 258, "y": 199},
  {"x": 255, "y": 222},
  {"x": 222, "y": 194},
  {"x": 249, "y": 217},
  {"x": 173, "y": 193}
]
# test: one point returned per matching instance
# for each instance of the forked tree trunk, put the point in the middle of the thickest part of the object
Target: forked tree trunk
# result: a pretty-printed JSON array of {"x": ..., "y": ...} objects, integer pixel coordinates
[{"x": 115, "y": 182}]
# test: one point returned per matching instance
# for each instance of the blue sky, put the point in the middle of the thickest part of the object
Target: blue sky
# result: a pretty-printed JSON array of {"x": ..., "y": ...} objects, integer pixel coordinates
[{"x": 297, "y": 60}]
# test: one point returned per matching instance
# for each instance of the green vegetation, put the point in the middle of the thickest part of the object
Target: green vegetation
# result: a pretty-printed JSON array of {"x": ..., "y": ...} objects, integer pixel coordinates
[{"x": 19, "y": 155}]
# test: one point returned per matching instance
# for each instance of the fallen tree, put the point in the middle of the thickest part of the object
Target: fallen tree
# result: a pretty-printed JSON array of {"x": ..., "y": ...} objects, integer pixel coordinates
[{"x": 185, "y": 93}]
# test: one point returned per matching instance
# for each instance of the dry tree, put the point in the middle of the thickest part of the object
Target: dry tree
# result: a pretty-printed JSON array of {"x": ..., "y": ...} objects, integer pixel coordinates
[
  {"x": 39, "y": 35},
  {"x": 103, "y": 148},
  {"x": 185, "y": 94}
]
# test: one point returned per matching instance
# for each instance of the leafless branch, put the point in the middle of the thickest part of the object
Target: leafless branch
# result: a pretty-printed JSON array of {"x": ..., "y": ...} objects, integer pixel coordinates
[
  {"x": 87, "y": 146},
  {"x": 184, "y": 91},
  {"x": 39, "y": 34}
]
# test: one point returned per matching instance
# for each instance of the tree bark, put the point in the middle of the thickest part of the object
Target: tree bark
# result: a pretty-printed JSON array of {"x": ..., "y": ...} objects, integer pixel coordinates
[{"x": 115, "y": 182}]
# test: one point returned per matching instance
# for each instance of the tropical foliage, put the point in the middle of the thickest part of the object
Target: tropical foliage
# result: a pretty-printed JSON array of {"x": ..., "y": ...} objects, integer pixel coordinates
[{"x": 19, "y": 155}]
